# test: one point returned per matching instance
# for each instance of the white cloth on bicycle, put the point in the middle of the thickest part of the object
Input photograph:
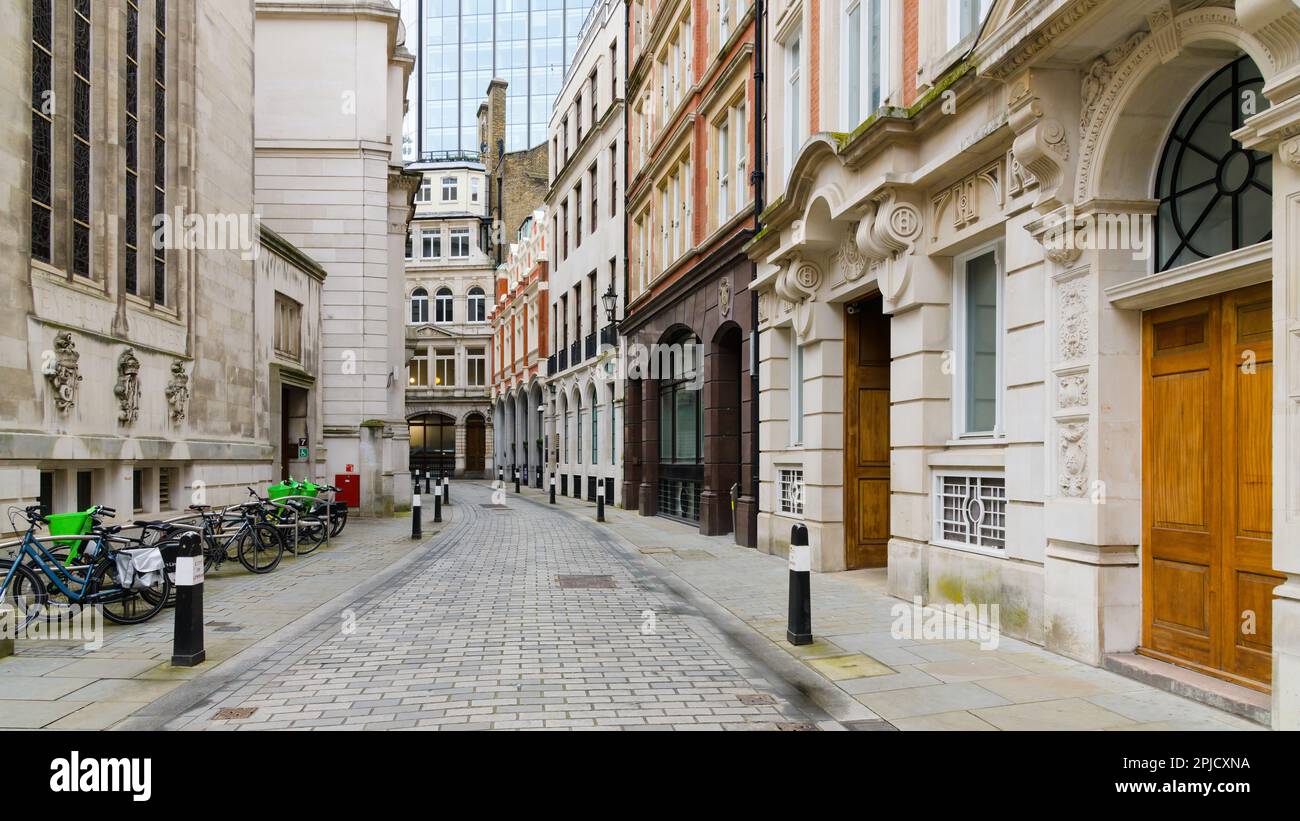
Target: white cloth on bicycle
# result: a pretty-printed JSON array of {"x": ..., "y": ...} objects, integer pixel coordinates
[{"x": 141, "y": 568}]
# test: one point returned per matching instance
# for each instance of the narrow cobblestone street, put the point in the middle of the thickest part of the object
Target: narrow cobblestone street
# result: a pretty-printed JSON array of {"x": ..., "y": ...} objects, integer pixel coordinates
[{"x": 515, "y": 614}]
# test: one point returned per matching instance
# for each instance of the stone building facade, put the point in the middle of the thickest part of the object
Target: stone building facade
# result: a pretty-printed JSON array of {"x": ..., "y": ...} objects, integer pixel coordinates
[
  {"x": 691, "y": 426},
  {"x": 1028, "y": 310},
  {"x": 330, "y": 179},
  {"x": 584, "y": 212},
  {"x": 131, "y": 367},
  {"x": 519, "y": 348},
  {"x": 449, "y": 281}
]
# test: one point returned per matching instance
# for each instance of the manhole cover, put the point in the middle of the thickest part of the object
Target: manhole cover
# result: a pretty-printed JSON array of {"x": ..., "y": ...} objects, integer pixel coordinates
[
  {"x": 495, "y": 507},
  {"x": 795, "y": 726},
  {"x": 228, "y": 628},
  {"x": 226, "y": 713},
  {"x": 755, "y": 699},
  {"x": 875, "y": 724},
  {"x": 587, "y": 582},
  {"x": 694, "y": 554}
]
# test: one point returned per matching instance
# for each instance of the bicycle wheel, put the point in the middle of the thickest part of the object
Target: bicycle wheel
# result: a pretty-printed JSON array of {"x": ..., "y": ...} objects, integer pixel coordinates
[
  {"x": 260, "y": 548},
  {"x": 27, "y": 596},
  {"x": 311, "y": 533},
  {"x": 338, "y": 519},
  {"x": 121, "y": 604}
]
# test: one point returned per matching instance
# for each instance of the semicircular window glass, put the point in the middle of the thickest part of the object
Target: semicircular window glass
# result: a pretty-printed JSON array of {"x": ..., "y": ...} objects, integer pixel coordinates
[{"x": 1215, "y": 196}]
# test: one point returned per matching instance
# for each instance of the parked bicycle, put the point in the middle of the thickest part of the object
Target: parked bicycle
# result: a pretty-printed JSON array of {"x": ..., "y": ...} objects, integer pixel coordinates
[
  {"x": 105, "y": 572},
  {"x": 305, "y": 527}
]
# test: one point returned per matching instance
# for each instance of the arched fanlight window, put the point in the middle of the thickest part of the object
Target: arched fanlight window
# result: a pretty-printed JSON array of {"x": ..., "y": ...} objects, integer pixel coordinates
[
  {"x": 1215, "y": 196},
  {"x": 477, "y": 305},
  {"x": 419, "y": 306},
  {"x": 442, "y": 303}
]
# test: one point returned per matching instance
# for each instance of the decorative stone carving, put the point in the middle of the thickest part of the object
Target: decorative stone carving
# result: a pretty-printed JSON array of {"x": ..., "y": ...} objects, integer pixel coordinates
[
  {"x": 848, "y": 260},
  {"x": 963, "y": 198},
  {"x": 1019, "y": 180},
  {"x": 887, "y": 237},
  {"x": 798, "y": 281},
  {"x": 1072, "y": 391},
  {"x": 1289, "y": 152},
  {"x": 178, "y": 391},
  {"x": 62, "y": 371},
  {"x": 1072, "y": 316},
  {"x": 724, "y": 297},
  {"x": 1063, "y": 256},
  {"x": 127, "y": 389},
  {"x": 1074, "y": 458},
  {"x": 1041, "y": 142},
  {"x": 1099, "y": 74}
]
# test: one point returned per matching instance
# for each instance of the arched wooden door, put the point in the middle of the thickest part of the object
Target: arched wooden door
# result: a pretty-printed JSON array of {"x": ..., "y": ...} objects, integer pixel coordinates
[{"x": 475, "y": 443}]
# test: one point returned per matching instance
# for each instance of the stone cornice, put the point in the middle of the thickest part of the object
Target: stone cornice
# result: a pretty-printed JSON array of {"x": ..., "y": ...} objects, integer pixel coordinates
[
  {"x": 1028, "y": 32},
  {"x": 281, "y": 247}
]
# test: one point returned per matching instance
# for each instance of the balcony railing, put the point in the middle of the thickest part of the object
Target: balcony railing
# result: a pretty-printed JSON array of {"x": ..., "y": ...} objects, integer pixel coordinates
[
  {"x": 550, "y": 365},
  {"x": 590, "y": 351},
  {"x": 575, "y": 352},
  {"x": 608, "y": 336},
  {"x": 564, "y": 360},
  {"x": 453, "y": 155}
]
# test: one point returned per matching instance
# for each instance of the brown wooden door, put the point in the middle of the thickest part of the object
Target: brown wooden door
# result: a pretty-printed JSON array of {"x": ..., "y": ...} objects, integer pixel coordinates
[
  {"x": 1207, "y": 503},
  {"x": 866, "y": 436},
  {"x": 475, "y": 443}
]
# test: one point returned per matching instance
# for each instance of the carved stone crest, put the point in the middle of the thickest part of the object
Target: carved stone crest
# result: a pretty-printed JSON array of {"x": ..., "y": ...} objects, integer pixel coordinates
[
  {"x": 724, "y": 297},
  {"x": 1072, "y": 391},
  {"x": 178, "y": 391},
  {"x": 127, "y": 389},
  {"x": 1074, "y": 458},
  {"x": 62, "y": 371}
]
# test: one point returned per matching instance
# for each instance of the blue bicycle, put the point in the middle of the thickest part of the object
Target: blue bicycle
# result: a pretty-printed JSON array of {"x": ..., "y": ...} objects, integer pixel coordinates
[{"x": 39, "y": 585}]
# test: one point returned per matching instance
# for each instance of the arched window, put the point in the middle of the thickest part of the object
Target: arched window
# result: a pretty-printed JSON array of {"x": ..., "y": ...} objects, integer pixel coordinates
[
  {"x": 1215, "y": 196},
  {"x": 419, "y": 306},
  {"x": 442, "y": 306},
  {"x": 681, "y": 469},
  {"x": 477, "y": 305}
]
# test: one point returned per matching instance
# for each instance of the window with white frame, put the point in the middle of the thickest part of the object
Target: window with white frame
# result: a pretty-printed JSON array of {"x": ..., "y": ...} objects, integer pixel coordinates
[
  {"x": 866, "y": 59},
  {"x": 459, "y": 243},
  {"x": 796, "y": 391},
  {"x": 442, "y": 305},
  {"x": 474, "y": 185},
  {"x": 978, "y": 286},
  {"x": 477, "y": 305},
  {"x": 740, "y": 153},
  {"x": 449, "y": 192},
  {"x": 444, "y": 367},
  {"x": 971, "y": 510},
  {"x": 476, "y": 361},
  {"x": 430, "y": 245},
  {"x": 793, "y": 101},
  {"x": 417, "y": 375},
  {"x": 725, "y": 23},
  {"x": 790, "y": 490},
  {"x": 426, "y": 190},
  {"x": 419, "y": 306},
  {"x": 964, "y": 18},
  {"x": 410, "y": 245},
  {"x": 724, "y": 168}
]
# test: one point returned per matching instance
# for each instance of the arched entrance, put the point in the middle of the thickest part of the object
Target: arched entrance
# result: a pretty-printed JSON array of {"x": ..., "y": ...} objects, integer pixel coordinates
[
  {"x": 475, "y": 444},
  {"x": 681, "y": 428},
  {"x": 433, "y": 443}
]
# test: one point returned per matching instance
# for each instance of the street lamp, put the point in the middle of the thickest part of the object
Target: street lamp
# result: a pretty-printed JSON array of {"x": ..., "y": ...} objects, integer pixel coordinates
[{"x": 610, "y": 299}]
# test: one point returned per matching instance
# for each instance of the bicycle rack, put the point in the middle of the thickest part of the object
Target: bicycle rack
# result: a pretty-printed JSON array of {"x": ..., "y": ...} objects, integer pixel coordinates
[{"x": 297, "y": 518}]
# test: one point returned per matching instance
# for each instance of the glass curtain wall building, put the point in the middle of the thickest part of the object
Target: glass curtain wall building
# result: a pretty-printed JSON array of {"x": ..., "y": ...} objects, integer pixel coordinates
[{"x": 460, "y": 45}]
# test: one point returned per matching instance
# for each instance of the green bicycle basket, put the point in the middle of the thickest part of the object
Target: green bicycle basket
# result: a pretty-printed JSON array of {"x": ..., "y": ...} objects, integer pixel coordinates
[{"x": 70, "y": 524}]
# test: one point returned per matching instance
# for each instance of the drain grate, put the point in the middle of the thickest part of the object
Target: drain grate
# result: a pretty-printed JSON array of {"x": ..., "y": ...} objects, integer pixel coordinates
[
  {"x": 226, "y": 713},
  {"x": 588, "y": 582},
  {"x": 795, "y": 726},
  {"x": 875, "y": 724},
  {"x": 755, "y": 699}
]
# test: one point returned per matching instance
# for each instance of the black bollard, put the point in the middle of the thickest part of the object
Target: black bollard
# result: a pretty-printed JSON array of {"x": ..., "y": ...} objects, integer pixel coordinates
[
  {"x": 428, "y": 480},
  {"x": 516, "y": 480},
  {"x": 437, "y": 508},
  {"x": 799, "y": 629},
  {"x": 415, "y": 515},
  {"x": 446, "y": 490},
  {"x": 600, "y": 507},
  {"x": 187, "y": 637},
  {"x": 552, "y": 488}
]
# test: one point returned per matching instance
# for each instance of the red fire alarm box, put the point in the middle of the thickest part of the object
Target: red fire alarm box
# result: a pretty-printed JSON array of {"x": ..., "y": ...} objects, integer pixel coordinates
[{"x": 349, "y": 485}]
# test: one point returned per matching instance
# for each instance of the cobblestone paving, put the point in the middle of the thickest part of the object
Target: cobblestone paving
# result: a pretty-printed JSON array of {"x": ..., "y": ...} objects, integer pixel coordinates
[
  {"x": 480, "y": 634},
  {"x": 65, "y": 685}
]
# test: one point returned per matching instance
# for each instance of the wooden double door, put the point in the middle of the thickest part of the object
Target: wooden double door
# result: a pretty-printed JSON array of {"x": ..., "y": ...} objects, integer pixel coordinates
[
  {"x": 866, "y": 435},
  {"x": 1207, "y": 485}
]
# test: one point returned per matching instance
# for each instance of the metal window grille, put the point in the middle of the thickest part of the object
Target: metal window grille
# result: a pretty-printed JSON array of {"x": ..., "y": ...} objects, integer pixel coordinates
[{"x": 973, "y": 510}]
